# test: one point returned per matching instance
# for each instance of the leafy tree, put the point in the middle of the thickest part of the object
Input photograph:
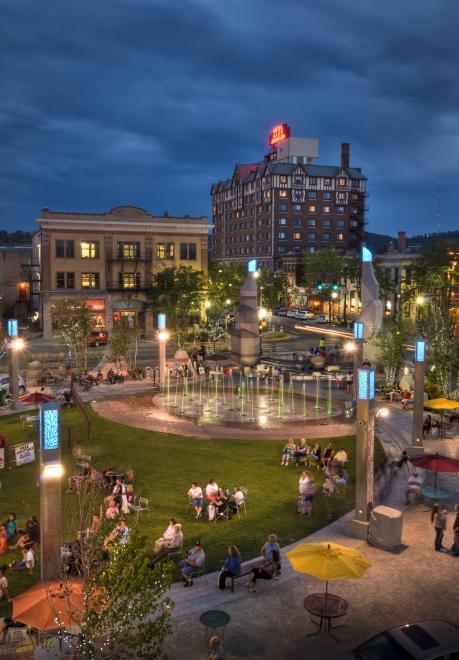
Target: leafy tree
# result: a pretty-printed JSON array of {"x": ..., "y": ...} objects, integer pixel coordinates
[
  {"x": 223, "y": 284},
  {"x": 124, "y": 343},
  {"x": 326, "y": 266},
  {"x": 74, "y": 323},
  {"x": 438, "y": 268},
  {"x": 439, "y": 330},
  {"x": 272, "y": 287},
  {"x": 390, "y": 340},
  {"x": 179, "y": 293}
]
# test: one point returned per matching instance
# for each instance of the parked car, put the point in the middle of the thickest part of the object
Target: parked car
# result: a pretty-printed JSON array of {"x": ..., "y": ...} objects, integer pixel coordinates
[
  {"x": 321, "y": 318},
  {"x": 304, "y": 315},
  {"x": 98, "y": 338},
  {"x": 281, "y": 311},
  {"x": 434, "y": 639},
  {"x": 291, "y": 313},
  {"x": 5, "y": 384}
]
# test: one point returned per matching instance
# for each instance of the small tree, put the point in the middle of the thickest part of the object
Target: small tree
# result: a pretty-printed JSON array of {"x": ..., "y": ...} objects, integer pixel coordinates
[
  {"x": 124, "y": 343},
  {"x": 390, "y": 340},
  {"x": 272, "y": 287},
  {"x": 74, "y": 323},
  {"x": 439, "y": 330}
]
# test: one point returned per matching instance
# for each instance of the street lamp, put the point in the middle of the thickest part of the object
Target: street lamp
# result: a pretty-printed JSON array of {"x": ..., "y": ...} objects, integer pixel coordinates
[
  {"x": 418, "y": 403},
  {"x": 359, "y": 332},
  {"x": 15, "y": 345}
]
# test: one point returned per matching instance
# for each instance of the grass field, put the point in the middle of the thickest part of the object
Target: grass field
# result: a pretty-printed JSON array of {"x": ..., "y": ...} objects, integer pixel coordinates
[{"x": 164, "y": 466}]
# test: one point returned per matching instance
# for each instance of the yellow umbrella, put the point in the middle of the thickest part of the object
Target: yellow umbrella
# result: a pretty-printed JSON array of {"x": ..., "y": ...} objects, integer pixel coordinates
[
  {"x": 328, "y": 561},
  {"x": 441, "y": 404}
]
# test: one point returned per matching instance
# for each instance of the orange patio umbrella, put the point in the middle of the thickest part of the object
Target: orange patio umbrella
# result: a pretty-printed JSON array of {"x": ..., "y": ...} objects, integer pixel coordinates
[{"x": 51, "y": 604}]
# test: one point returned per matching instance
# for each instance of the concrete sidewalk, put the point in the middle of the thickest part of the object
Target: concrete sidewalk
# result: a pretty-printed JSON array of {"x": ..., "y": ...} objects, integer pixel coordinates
[{"x": 415, "y": 583}]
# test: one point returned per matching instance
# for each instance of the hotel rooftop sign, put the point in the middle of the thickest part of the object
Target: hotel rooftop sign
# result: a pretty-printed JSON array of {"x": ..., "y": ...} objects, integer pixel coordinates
[{"x": 279, "y": 133}]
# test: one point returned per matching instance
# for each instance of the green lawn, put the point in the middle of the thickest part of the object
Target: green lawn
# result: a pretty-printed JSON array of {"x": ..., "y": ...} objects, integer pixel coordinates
[{"x": 164, "y": 466}]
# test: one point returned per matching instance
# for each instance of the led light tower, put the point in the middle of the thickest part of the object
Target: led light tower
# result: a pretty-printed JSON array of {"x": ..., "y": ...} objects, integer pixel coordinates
[{"x": 418, "y": 403}]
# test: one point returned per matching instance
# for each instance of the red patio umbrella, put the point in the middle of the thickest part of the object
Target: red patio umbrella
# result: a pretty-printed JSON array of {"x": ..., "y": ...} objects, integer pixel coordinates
[
  {"x": 435, "y": 463},
  {"x": 36, "y": 398}
]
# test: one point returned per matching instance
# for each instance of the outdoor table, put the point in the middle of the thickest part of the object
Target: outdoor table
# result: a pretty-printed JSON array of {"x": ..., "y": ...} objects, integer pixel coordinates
[
  {"x": 326, "y": 607},
  {"x": 435, "y": 493},
  {"x": 214, "y": 619}
]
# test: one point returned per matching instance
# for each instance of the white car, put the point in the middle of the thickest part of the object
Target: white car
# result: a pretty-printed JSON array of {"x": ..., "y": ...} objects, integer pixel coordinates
[
  {"x": 5, "y": 384},
  {"x": 304, "y": 315},
  {"x": 291, "y": 313},
  {"x": 424, "y": 640},
  {"x": 321, "y": 318}
]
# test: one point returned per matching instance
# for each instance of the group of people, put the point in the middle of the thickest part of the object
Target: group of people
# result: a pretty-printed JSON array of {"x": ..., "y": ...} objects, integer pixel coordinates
[
  {"x": 26, "y": 538},
  {"x": 439, "y": 520},
  {"x": 221, "y": 503},
  {"x": 312, "y": 455},
  {"x": 120, "y": 496}
]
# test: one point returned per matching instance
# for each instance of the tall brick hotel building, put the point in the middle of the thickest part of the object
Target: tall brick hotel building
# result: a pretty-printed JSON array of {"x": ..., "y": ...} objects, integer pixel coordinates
[{"x": 275, "y": 209}]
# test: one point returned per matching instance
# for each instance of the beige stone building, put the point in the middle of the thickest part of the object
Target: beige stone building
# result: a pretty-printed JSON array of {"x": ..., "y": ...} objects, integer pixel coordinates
[{"x": 109, "y": 260}]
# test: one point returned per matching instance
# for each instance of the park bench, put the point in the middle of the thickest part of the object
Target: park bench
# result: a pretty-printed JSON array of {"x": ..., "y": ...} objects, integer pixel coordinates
[{"x": 246, "y": 571}]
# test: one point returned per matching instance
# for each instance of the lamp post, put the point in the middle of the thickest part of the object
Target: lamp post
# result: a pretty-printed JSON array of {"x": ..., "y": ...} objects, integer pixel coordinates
[
  {"x": 418, "y": 403},
  {"x": 364, "y": 460},
  {"x": 359, "y": 330},
  {"x": 163, "y": 336},
  {"x": 50, "y": 491},
  {"x": 15, "y": 345}
]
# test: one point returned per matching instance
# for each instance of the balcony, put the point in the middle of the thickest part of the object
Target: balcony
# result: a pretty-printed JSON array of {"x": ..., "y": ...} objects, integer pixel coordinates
[{"x": 120, "y": 286}]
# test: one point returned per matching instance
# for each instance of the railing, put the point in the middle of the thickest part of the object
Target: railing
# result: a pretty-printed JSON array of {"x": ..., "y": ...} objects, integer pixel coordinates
[{"x": 120, "y": 286}]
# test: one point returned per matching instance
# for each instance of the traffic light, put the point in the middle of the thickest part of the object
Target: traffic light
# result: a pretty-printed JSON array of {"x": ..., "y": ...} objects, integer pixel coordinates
[
  {"x": 319, "y": 286},
  {"x": 335, "y": 286}
]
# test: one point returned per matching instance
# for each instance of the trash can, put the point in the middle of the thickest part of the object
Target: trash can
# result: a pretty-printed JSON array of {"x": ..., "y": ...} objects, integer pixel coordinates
[
  {"x": 2, "y": 397},
  {"x": 385, "y": 530}
]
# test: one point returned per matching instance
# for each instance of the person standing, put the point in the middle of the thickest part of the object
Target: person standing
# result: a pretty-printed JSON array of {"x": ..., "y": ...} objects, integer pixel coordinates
[
  {"x": 231, "y": 567},
  {"x": 455, "y": 546},
  {"x": 438, "y": 519}
]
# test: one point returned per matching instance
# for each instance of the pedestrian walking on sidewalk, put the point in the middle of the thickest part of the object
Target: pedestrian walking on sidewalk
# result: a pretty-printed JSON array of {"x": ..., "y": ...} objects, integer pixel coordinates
[{"x": 438, "y": 519}]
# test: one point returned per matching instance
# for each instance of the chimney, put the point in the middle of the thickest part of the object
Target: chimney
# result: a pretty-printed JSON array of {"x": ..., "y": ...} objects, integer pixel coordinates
[
  {"x": 401, "y": 241},
  {"x": 345, "y": 149}
]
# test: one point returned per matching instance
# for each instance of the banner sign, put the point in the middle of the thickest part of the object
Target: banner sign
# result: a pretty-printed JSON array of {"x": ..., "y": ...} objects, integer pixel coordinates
[{"x": 25, "y": 453}]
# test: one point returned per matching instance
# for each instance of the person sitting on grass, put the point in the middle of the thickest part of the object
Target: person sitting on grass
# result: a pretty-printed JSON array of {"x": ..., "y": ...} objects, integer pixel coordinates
[
  {"x": 197, "y": 499},
  {"x": 78, "y": 478},
  {"x": 12, "y": 525},
  {"x": 231, "y": 567},
  {"x": 166, "y": 536},
  {"x": 327, "y": 455},
  {"x": 341, "y": 457},
  {"x": 193, "y": 562},
  {"x": 112, "y": 510},
  {"x": 211, "y": 488},
  {"x": 329, "y": 486},
  {"x": 221, "y": 502},
  {"x": 301, "y": 451},
  {"x": 27, "y": 562},
  {"x": 3, "y": 584},
  {"x": 288, "y": 452},
  {"x": 31, "y": 535},
  {"x": 172, "y": 544},
  {"x": 3, "y": 540},
  {"x": 266, "y": 571},
  {"x": 120, "y": 535},
  {"x": 236, "y": 499}
]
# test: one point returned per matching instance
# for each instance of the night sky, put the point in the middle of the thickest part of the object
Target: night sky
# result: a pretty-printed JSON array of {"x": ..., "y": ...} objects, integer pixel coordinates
[{"x": 146, "y": 102}]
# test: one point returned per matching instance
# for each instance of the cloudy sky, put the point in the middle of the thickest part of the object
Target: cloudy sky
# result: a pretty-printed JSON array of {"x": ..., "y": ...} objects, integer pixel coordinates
[{"x": 146, "y": 102}]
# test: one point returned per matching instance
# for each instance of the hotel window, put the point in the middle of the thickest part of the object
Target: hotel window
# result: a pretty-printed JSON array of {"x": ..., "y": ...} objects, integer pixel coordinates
[
  {"x": 297, "y": 208},
  {"x": 312, "y": 194},
  {"x": 326, "y": 236},
  {"x": 282, "y": 193},
  {"x": 312, "y": 236},
  {"x": 340, "y": 237},
  {"x": 327, "y": 195},
  {"x": 326, "y": 223},
  {"x": 298, "y": 195},
  {"x": 297, "y": 222},
  {"x": 282, "y": 249},
  {"x": 283, "y": 179},
  {"x": 89, "y": 280},
  {"x": 340, "y": 209},
  {"x": 313, "y": 181},
  {"x": 188, "y": 251},
  {"x": 312, "y": 208},
  {"x": 299, "y": 180},
  {"x": 340, "y": 223},
  {"x": 129, "y": 280},
  {"x": 296, "y": 236},
  {"x": 311, "y": 222},
  {"x": 128, "y": 249},
  {"x": 297, "y": 249},
  {"x": 65, "y": 249},
  {"x": 311, "y": 248},
  {"x": 89, "y": 249},
  {"x": 341, "y": 197},
  {"x": 354, "y": 197},
  {"x": 161, "y": 251},
  {"x": 342, "y": 182},
  {"x": 327, "y": 182},
  {"x": 354, "y": 224},
  {"x": 355, "y": 183},
  {"x": 282, "y": 221},
  {"x": 282, "y": 235},
  {"x": 282, "y": 207},
  {"x": 326, "y": 209}
]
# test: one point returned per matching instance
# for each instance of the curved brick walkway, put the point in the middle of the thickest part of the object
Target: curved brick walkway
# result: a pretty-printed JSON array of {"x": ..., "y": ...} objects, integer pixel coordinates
[{"x": 139, "y": 411}]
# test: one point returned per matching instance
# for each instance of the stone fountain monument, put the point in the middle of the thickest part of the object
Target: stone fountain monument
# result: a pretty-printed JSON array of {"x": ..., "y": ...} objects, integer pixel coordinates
[
  {"x": 245, "y": 337},
  {"x": 372, "y": 308}
]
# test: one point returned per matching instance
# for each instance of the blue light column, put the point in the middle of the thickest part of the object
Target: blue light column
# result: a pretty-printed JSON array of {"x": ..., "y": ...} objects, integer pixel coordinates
[
  {"x": 50, "y": 491},
  {"x": 163, "y": 336},
  {"x": 364, "y": 460},
  {"x": 359, "y": 332},
  {"x": 418, "y": 403},
  {"x": 13, "y": 362}
]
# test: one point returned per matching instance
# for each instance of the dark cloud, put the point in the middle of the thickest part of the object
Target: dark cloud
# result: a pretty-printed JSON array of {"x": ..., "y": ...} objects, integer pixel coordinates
[{"x": 147, "y": 102}]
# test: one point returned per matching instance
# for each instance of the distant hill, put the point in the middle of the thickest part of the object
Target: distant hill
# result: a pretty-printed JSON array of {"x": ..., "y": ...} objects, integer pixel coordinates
[
  {"x": 15, "y": 238},
  {"x": 378, "y": 243}
]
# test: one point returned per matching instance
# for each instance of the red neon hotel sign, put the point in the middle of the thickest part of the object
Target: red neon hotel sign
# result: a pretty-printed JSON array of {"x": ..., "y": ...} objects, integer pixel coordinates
[{"x": 279, "y": 133}]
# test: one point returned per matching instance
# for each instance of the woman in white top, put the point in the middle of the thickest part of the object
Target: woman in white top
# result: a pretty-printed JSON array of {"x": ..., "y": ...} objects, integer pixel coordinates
[
  {"x": 197, "y": 499},
  {"x": 212, "y": 488},
  {"x": 166, "y": 536},
  {"x": 303, "y": 482}
]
